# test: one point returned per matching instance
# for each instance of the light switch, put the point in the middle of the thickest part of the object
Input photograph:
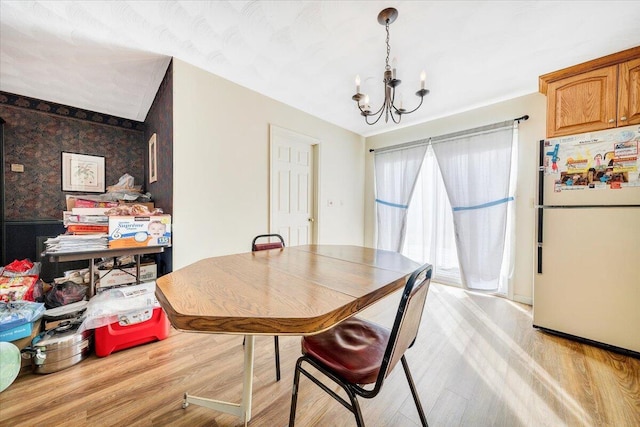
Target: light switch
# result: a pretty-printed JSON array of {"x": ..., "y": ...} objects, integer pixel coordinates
[{"x": 17, "y": 168}]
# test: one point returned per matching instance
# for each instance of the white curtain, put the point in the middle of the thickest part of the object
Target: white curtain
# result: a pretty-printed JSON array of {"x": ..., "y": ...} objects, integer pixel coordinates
[
  {"x": 395, "y": 174},
  {"x": 476, "y": 170},
  {"x": 430, "y": 235}
]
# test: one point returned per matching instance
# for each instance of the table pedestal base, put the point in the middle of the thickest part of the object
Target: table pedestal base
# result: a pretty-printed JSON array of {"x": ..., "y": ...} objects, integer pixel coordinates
[{"x": 243, "y": 409}]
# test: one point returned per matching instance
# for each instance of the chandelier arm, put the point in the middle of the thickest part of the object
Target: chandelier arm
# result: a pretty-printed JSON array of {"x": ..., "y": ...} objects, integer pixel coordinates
[
  {"x": 393, "y": 105},
  {"x": 380, "y": 111},
  {"x": 364, "y": 112},
  {"x": 409, "y": 112},
  {"x": 373, "y": 114},
  {"x": 393, "y": 117}
]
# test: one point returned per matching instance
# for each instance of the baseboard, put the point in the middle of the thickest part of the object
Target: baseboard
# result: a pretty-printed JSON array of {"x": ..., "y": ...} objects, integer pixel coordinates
[
  {"x": 598, "y": 344},
  {"x": 523, "y": 300}
]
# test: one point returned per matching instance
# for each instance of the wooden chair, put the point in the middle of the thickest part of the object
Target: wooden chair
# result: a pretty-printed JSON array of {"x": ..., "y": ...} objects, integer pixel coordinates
[
  {"x": 356, "y": 352},
  {"x": 255, "y": 246}
]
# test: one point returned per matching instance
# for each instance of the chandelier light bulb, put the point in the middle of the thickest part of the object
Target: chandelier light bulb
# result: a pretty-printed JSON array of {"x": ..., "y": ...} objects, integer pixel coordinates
[
  {"x": 357, "y": 83},
  {"x": 423, "y": 79}
]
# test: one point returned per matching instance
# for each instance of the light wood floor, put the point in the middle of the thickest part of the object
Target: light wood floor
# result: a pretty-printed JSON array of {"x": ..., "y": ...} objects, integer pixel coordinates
[{"x": 477, "y": 362}]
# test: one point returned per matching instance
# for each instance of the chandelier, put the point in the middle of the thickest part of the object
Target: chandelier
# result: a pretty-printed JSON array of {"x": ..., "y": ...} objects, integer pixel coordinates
[{"x": 388, "y": 108}]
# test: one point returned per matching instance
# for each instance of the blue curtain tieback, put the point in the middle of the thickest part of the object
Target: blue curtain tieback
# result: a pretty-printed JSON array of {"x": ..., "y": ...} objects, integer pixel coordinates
[
  {"x": 484, "y": 205},
  {"x": 393, "y": 205}
]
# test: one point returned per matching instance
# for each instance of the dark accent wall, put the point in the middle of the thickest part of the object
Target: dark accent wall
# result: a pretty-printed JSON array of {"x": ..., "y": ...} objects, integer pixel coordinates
[
  {"x": 160, "y": 121},
  {"x": 3, "y": 228},
  {"x": 35, "y": 138}
]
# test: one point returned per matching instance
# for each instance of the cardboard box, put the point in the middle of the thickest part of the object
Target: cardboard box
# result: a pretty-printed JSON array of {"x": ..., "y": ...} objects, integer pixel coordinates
[
  {"x": 138, "y": 231},
  {"x": 18, "y": 332},
  {"x": 125, "y": 276},
  {"x": 36, "y": 327}
]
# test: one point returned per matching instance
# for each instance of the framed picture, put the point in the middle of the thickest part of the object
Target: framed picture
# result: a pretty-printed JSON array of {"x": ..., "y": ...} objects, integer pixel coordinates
[
  {"x": 153, "y": 159},
  {"x": 81, "y": 172}
]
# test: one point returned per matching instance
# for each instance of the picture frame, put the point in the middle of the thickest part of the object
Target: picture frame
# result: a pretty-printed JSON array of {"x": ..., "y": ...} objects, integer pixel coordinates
[
  {"x": 153, "y": 159},
  {"x": 83, "y": 172}
]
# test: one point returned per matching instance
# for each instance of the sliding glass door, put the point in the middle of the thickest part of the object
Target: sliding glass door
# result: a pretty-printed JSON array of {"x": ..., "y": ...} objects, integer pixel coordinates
[{"x": 430, "y": 236}]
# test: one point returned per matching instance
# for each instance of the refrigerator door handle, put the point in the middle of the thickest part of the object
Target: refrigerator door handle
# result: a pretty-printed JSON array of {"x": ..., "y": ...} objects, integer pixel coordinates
[
  {"x": 540, "y": 223},
  {"x": 541, "y": 171}
]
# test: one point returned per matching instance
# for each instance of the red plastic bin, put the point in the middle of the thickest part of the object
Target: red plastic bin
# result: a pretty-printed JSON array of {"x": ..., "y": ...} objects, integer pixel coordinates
[{"x": 115, "y": 337}]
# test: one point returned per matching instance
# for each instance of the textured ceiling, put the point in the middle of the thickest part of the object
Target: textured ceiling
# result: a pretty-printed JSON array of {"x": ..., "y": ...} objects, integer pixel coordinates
[{"x": 110, "y": 56}]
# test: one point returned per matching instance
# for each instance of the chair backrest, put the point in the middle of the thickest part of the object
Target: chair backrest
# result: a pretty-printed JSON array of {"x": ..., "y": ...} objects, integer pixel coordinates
[
  {"x": 407, "y": 321},
  {"x": 267, "y": 245}
]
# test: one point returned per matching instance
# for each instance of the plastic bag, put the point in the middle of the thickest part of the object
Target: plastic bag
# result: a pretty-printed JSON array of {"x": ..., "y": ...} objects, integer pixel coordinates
[
  {"x": 22, "y": 268},
  {"x": 16, "y": 288},
  {"x": 64, "y": 293},
  {"x": 108, "y": 306}
]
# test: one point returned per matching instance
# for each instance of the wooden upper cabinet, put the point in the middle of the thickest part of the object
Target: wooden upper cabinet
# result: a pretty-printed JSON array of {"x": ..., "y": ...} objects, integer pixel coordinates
[
  {"x": 629, "y": 93},
  {"x": 582, "y": 103},
  {"x": 595, "y": 95}
]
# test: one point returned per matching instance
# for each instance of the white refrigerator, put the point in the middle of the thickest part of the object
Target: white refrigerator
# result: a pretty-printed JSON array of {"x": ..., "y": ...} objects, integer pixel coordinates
[{"x": 587, "y": 277}]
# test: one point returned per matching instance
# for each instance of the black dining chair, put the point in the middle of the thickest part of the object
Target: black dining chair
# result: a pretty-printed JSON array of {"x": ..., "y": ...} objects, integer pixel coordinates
[
  {"x": 257, "y": 245},
  {"x": 357, "y": 352},
  {"x": 261, "y": 246}
]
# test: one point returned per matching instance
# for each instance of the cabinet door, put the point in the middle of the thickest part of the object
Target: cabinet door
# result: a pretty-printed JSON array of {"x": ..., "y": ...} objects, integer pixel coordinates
[
  {"x": 582, "y": 103},
  {"x": 629, "y": 93}
]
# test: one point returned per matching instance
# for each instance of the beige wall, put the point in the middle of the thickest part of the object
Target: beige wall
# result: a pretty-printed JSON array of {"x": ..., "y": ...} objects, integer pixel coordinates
[
  {"x": 530, "y": 132},
  {"x": 221, "y": 168}
]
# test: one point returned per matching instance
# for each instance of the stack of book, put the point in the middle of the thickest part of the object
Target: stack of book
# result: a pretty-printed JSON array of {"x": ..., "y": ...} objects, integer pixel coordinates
[
  {"x": 87, "y": 226},
  {"x": 88, "y": 217}
]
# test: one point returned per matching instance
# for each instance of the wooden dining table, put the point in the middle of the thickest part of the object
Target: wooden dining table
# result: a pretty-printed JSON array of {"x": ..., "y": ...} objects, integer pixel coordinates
[{"x": 301, "y": 290}]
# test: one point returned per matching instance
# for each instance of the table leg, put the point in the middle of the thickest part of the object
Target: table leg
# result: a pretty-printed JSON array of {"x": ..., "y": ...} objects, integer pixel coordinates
[
  {"x": 242, "y": 410},
  {"x": 92, "y": 279},
  {"x": 137, "y": 269}
]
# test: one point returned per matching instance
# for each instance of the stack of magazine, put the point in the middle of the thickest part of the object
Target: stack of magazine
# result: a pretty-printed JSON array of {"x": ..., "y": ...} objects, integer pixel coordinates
[{"x": 77, "y": 243}]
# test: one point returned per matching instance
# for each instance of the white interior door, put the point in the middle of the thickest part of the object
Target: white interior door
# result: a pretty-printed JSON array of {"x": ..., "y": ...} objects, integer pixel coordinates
[{"x": 292, "y": 186}]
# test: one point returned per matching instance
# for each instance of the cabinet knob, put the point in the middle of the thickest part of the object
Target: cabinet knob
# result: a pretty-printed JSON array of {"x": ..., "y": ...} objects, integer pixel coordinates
[
  {"x": 612, "y": 120},
  {"x": 623, "y": 118}
]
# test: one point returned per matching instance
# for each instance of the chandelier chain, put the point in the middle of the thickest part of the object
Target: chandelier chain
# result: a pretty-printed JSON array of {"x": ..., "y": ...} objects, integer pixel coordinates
[{"x": 388, "y": 47}]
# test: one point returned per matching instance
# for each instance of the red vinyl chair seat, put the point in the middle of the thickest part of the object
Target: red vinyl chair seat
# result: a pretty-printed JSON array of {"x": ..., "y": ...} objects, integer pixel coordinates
[
  {"x": 353, "y": 349},
  {"x": 266, "y": 246}
]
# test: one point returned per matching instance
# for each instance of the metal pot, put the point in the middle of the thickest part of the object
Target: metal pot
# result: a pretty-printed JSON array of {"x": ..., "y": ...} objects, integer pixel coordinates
[{"x": 59, "y": 348}]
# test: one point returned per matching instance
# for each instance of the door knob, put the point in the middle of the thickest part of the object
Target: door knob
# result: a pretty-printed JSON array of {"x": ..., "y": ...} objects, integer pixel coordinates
[{"x": 310, "y": 219}]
